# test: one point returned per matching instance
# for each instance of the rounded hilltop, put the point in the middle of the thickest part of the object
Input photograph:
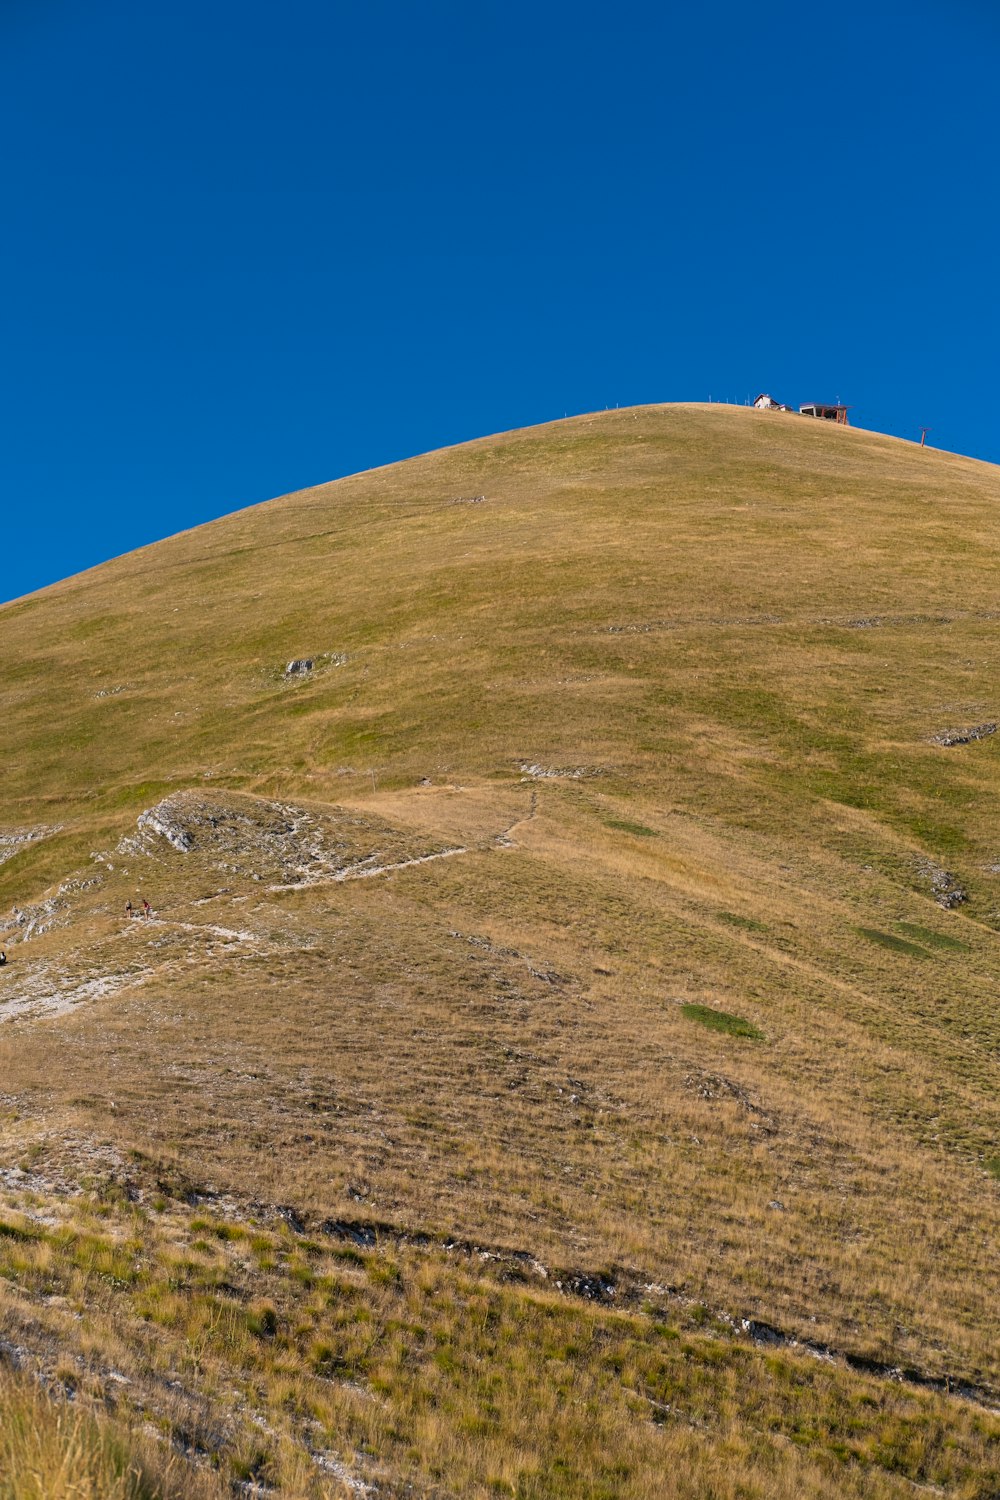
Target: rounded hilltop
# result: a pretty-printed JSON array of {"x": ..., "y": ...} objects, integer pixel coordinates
[{"x": 425, "y": 592}]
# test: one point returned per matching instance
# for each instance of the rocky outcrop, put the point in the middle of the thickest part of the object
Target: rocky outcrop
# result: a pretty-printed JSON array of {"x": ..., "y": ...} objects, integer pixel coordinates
[
  {"x": 288, "y": 846},
  {"x": 946, "y": 888},
  {"x": 163, "y": 822},
  {"x": 963, "y": 736}
]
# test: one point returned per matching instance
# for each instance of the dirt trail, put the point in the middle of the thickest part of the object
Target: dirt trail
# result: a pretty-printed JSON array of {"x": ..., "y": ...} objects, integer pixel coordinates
[{"x": 365, "y": 871}]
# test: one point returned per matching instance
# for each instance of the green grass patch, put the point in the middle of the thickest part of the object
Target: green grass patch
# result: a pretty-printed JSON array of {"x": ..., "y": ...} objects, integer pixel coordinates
[
  {"x": 889, "y": 940},
  {"x": 932, "y": 939},
  {"x": 749, "y": 924},
  {"x": 135, "y": 794},
  {"x": 625, "y": 825},
  {"x": 721, "y": 1020}
]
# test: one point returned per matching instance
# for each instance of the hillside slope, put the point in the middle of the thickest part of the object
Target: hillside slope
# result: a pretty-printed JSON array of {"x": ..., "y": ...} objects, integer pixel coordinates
[{"x": 568, "y": 1006}]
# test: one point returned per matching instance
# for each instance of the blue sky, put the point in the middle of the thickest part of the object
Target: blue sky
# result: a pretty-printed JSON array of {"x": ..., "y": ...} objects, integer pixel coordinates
[{"x": 249, "y": 247}]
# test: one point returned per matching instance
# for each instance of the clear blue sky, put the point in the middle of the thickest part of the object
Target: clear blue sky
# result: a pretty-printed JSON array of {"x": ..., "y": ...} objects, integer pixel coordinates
[{"x": 249, "y": 246}]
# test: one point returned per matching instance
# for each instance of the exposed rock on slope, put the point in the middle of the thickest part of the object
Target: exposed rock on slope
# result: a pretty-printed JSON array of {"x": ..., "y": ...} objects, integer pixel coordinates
[
  {"x": 964, "y": 736},
  {"x": 252, "y": 839}
]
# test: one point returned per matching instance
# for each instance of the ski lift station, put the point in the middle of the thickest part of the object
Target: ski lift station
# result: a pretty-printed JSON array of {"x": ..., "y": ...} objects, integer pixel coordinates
[
  {"x": 826, "y": 413},
  {"x": 836, "y": 413}
]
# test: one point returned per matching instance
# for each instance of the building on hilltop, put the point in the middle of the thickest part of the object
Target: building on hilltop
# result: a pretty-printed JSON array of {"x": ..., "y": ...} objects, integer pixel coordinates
[
  {"x": 827, "y": 413},
  {"x": 768, "y": 403}
]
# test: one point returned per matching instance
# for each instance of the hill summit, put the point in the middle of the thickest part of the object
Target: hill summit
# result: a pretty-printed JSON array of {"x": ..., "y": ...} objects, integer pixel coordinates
[{"x": 500, "y": 985}]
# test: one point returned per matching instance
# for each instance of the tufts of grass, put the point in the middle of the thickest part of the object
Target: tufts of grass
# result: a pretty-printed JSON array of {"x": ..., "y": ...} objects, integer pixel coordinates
[
  {"x": 473, "y": 1375},
  {"x": 721, "y": 1020},
  {"x": 50, "y": 1450},
  {"x": 262, "y": 1321},
  {"x": 25, "y": 1232}
]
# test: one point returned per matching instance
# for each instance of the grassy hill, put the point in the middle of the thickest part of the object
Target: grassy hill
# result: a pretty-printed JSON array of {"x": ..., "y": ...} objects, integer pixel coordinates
[{"x": 562, "y": 1057}]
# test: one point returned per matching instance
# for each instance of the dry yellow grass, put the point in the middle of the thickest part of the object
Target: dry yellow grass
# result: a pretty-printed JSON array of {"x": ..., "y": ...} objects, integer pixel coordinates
[
  {"x": 52, "y": 1450},
  {"x": 641, "y": 739}
]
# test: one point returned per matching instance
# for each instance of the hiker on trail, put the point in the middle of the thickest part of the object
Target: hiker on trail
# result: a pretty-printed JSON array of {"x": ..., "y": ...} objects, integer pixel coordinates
[
  {"x": 128, "y": 909},
  {"x": 147, "y": 910}
]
